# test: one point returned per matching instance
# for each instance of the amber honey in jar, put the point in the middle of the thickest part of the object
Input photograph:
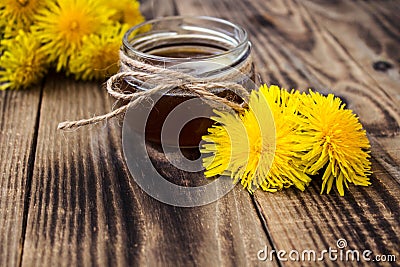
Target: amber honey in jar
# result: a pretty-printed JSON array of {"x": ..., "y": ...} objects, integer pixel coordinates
[{"x": 198, "y": 46}]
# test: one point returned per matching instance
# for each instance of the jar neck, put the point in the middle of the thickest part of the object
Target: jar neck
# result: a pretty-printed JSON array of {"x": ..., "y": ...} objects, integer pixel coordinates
[{"x": 214, "y": 44}]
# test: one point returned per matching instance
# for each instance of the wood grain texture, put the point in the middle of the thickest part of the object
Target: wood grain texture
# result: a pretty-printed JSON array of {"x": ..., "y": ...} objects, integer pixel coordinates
[
  {"x": 18, "y": 127},
  {"x": 85, "y": 208},
  {"x": 67, "y": 198},
  {"x": 367, "y": 218},
  {"x": 327, "y": 47},
  {"x": 386, "y": 151},
  {"x": 350, "y": 49}
]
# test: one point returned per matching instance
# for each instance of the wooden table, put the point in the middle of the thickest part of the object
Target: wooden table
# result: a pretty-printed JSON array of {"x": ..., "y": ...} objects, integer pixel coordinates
[{"x": 68, "y": 199}]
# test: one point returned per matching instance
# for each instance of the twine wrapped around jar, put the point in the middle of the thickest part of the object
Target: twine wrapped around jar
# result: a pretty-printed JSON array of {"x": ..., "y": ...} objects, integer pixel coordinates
[{"x": 168, "y": 79}]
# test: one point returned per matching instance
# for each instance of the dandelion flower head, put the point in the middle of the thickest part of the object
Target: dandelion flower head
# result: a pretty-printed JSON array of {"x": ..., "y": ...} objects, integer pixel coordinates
[
  {"x": 287, "y": 168},
  {"x": 249, "y": 147},
  {"x": 335, "y": 139},
  {"x": 98, "y": 56},
  {"x": 127, "y": 11},
  {"x": 64, "y": 23},
  {"x": 22, "y": 63},
  {"x": 18, "y": 14}
]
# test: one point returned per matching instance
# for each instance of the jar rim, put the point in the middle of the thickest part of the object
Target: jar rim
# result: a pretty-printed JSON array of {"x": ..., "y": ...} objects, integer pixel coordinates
[{"x": 242, "y": 43}]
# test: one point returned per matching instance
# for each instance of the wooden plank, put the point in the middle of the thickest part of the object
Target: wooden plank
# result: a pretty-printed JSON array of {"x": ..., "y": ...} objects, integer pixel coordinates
[
  {"x": 330, "y": 47},
  {"x": 152, "y": 9},
  {"x": 367, "y": 218},
  {"x": 340, "y": 55},
  {"x": 371, "y": 42},
  {"x": 316, "y": 46},
  {"x": 86, "y": 209},
  {"x": 18, "y": 127},
  {"x": 386, "y": 150}
]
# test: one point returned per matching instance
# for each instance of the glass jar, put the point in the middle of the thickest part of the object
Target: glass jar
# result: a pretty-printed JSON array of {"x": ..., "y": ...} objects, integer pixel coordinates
[{"x": 215, "y": 48}]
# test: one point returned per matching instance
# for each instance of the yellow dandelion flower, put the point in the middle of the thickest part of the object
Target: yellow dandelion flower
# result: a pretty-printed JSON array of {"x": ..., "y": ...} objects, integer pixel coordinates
[
  {"x": 18, "y": 14},
  {"x": 260, "y": 146},
  {"x": 127, "y": 11},
  {"x": 23, "y": 62},
  {"x": 64, "y": 23},
  {"x": 335, "y": 139},
  {"x": 98, "y": 56},
  {"x": 287, "y": 168}
]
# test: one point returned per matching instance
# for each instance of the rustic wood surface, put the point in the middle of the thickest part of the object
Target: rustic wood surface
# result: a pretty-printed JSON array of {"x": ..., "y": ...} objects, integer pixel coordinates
[{"x": 67, "y": 198}]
